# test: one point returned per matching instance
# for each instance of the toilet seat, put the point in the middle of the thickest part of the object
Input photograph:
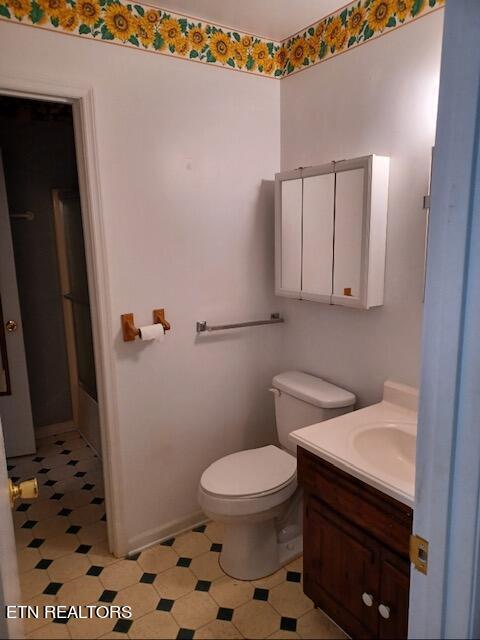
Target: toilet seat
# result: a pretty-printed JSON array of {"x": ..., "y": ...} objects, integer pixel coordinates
[
  {"x": 255, "y": 483},
  {"x": 249, "y": 474}
]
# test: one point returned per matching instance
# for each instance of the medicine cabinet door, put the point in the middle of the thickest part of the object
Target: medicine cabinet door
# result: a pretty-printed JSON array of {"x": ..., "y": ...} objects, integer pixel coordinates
[
  {"x": 317, "y": 233},
  {"x": 349, "y": 236},
  {"x": 290, "y": 224}
]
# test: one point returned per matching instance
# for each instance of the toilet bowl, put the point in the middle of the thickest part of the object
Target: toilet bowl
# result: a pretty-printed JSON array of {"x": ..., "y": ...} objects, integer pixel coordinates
[
  {"x": 248, "y": 491},
  {"x": 254, "y": 492}
]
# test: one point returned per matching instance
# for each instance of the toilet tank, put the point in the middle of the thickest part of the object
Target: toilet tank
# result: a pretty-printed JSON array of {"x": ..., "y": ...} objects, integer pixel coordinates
[{"x": 302, "y": 400}]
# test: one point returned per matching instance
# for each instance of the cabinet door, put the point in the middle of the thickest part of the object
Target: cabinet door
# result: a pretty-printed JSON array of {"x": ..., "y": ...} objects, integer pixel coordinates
[
  {"x": 291, "y": 237},
  {"x": 341, "y": 564},
  {"x": 349, "y": 234},
  {"x": 318, "y": 204},
  {"x": 394, "y": 592}
]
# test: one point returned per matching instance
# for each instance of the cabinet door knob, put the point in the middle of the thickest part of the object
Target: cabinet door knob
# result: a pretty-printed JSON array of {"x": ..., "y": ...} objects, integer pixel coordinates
[
  {"x": 367, "y": 599},
  {"x": 384, "y": 611}
]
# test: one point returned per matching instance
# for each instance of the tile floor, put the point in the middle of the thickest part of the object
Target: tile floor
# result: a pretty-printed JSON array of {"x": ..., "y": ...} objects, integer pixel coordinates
[{"x": 176, "y": 589}]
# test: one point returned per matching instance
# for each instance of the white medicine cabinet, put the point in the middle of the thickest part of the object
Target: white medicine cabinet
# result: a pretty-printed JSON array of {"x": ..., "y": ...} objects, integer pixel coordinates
[{"x": 330, "y": 232}]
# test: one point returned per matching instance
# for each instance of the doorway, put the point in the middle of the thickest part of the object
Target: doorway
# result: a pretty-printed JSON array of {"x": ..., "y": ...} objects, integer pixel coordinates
[
  {"x": 47, "y": 291},
  {"x": 48, "y": 383}
]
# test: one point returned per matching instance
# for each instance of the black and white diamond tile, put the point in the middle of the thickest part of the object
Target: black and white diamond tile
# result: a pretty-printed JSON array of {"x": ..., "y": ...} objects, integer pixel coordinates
[
  {"x": 148, "y": 578},
  {"x": 122, "y": 626},
  {"x": 165, "y": 604},
  {"x": 176, "y": 588},
  {"x": 181, "y": 562},
  {"x": 260, "y": 594},
  {"x": 224, "y": 613},
  {"x": 108, "y": 595},
  {"x": 203, "y": 585}
]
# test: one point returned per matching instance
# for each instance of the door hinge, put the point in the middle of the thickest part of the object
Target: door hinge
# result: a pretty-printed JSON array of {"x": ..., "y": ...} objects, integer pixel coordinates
[
  {"x": 426, "y": 202},
  {"x": 419, "y": 553}
]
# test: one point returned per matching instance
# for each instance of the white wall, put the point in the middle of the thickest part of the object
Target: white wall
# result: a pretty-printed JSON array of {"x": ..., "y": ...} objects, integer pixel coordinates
[
  {"x": 184, "y": 151},
  {"x": 379, "y": 98}
]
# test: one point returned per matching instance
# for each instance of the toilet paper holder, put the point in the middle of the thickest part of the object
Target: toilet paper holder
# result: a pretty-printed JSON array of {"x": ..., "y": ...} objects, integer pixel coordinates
[{"x": 130, "y": 331}]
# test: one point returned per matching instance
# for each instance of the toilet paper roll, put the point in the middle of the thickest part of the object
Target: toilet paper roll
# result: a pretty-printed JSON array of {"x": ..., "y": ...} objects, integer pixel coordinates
[{"x": 152, "y": 332}]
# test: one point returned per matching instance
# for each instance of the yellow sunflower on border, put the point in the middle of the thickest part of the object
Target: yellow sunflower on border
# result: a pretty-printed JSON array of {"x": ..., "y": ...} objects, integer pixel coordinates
[
  {"x": 198, "y": 38},
  {"x": 313, "y": 43},
  {"x": 260, "y": 53},
  {"x": 356, "y": 20},
  {"x": 144, "y": 30},
  {"x": 221, "y": 46},
  {"x": 333, "y": 31},
  {"x": 403, "y": 8},
  {"x": 68, "y": 19},
  {"x": 269, "y": 66},
  {"x": 52, "y": 8},
  {"x": 379, "y": 13},
  {"x": 246, "y": 41},
  {"x": 88, "y": 11},
  {"x": 170, "y": 30},
  {"x": 152, "y": 16},
  {"x": 341, "y": 40},
  {"x": 182, "y": 45},
  {"x": 20, "y": 8},
  {"x": 120, "y": 22},
  {"x": 281, "y": 58},
  {"x": 319, "y": 29},
  {"x": 298, "y": 52},
  {"x": 239, "y": 54}
]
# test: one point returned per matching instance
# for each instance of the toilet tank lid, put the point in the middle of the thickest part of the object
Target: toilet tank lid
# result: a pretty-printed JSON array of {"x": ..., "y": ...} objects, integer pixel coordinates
[{"x": 313, "y": 390}]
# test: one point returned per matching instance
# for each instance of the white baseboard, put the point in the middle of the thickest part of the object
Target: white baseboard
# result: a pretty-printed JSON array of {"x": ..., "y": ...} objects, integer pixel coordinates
[
  {"x": 170, "y": 530},
  {"x": 54, "y": 429},
  {"x": 89, "y": 420},
  {"x": 83, "y": 436}
]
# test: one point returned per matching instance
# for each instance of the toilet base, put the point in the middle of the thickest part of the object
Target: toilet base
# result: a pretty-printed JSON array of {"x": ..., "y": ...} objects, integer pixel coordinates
[
  {"x": 290, "y": 550},
  {"x": 251, "y": 550}
]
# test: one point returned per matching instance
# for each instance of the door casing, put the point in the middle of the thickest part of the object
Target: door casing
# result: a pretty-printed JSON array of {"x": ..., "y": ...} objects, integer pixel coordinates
[{"x": 83, "y": 108}]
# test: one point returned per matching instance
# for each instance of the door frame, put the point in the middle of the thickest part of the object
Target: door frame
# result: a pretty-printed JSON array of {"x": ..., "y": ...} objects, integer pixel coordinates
[
  {"x": 444, "y": 603},
  {"x": 83, "y": 108}
]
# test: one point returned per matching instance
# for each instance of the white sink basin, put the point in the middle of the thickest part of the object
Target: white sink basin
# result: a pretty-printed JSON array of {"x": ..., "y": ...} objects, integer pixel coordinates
[
  {"x": 388, "y": 446},
  {"x": 376, "y": 444}
]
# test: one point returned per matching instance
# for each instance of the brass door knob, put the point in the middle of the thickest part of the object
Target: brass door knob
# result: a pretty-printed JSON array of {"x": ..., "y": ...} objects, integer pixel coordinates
[
  {"x": 11, "y": 326},
  {"x": 27, "y": 490}
]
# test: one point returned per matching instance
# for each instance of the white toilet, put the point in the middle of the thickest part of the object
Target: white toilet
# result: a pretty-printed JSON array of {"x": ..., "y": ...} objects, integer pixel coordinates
[{"x": 254, "y": 492}]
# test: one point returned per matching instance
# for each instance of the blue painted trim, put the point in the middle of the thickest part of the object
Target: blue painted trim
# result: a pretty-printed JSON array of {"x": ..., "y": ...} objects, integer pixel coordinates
[
  {"x": 445, "y": 603},
  {"x": 464, "y": 533}
]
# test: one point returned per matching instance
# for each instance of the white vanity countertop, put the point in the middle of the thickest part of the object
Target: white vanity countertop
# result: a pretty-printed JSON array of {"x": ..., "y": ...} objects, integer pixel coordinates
[{"x": 375, "y": 444}]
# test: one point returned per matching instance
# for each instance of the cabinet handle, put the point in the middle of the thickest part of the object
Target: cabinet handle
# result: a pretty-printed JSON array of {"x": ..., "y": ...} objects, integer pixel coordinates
[
  {"x": 384, "y": 611},
  {"x": 367, "y": 599}
]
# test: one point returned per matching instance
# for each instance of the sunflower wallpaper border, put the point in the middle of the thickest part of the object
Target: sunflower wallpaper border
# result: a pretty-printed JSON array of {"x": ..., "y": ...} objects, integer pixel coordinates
[{"x": 156, "y": 30}]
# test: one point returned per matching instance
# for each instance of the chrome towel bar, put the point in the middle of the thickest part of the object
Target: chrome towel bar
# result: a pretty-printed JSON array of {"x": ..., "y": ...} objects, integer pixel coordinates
[{"x": 203, "y": 326}]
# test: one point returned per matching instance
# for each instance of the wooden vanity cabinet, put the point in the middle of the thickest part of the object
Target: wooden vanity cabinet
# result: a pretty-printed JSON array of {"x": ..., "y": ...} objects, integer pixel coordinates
[{"x": 356, "y": 540}]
